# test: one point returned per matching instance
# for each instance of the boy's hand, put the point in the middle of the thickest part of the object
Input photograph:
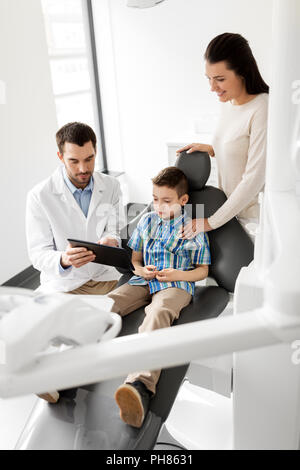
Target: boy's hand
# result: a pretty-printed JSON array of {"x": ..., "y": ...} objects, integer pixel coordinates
[
  {"x": 148, "y": 272},
  {"x": 168, "y": 275}
]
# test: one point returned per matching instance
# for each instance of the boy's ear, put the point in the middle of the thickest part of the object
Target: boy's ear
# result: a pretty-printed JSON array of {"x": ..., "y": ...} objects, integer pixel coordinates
[
  {"x": 60, "y": 156},
  {"x": 184, "y": 199}
]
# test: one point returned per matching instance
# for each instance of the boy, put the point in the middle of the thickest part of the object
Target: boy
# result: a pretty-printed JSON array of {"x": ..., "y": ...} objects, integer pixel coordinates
[{"x": 166, "y": 268}]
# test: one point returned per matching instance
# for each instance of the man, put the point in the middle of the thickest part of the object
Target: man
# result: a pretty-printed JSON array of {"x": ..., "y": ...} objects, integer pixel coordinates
[{"x": 75, "y": 202}]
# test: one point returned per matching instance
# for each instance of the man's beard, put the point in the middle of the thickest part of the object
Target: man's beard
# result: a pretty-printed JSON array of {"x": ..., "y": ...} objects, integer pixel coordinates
[{"x": 79, "y": 181}]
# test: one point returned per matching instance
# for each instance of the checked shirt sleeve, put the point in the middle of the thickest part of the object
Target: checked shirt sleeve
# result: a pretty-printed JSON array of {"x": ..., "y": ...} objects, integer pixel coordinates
[
  {"x": 201, "y": 252},
  {"x": 136, "y": 239}
]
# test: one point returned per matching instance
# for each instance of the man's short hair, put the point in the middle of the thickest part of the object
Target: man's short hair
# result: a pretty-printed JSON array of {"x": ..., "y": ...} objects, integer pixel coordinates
[
  {"x": 173, "y": 178},
  {"x": 75, "y": 133}
]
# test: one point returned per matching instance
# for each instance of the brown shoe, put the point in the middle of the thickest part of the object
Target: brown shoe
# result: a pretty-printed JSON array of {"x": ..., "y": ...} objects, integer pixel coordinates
[
  {"x": 50, "y": 397},
  {"x": 133, "y": 401}
]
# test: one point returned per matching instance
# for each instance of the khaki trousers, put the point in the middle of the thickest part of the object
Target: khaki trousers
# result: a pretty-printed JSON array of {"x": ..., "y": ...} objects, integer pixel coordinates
[
  {"x": 162, "y": 308},
  {"x": 95, "y": 288}
]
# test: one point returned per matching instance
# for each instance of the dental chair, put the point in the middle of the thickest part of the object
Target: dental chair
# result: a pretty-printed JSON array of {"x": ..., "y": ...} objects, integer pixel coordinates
[{"x": 88, "y": 417}]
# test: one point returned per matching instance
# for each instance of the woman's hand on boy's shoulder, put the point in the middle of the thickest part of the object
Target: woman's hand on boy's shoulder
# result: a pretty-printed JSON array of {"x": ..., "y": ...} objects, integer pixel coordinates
[{"x": 194, "y": 228}]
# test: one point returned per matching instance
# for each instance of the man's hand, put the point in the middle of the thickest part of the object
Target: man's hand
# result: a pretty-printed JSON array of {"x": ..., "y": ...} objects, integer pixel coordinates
[
  {"x": 109, "y": 241},
  {"x": 76, "y": 257},
  {"x": 147, "y": 272},
  {"x": 169, "y": 275}
]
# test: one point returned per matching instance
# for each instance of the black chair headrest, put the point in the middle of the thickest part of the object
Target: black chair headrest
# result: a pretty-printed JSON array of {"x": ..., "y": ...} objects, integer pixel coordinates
[{"x": 196, "y": 167}]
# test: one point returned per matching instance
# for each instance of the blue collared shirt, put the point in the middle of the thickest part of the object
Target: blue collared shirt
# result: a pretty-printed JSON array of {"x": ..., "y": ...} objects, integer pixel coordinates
[
  {"x": 162, "y": 246},
  {"x": 81, "y": 196}
]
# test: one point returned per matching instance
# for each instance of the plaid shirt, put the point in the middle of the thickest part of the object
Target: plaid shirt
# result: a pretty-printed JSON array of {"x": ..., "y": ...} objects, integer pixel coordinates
[{"x": 162, "y": 246}]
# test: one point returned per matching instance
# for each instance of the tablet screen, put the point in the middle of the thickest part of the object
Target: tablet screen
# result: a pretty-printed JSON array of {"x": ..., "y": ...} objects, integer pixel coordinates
[{"x": 108, "y": 255}]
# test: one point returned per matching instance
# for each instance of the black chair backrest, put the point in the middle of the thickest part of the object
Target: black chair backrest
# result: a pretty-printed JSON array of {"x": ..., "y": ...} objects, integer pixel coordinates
[{"x": 230, "y": 245}]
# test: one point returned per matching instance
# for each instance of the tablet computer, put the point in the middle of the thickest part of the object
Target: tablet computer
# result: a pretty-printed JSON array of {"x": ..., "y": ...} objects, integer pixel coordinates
[{"x": 108, "y": 255}]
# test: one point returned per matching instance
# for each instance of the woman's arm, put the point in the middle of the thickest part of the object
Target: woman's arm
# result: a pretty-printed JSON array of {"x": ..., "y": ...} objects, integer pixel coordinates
[
  {"x": 194, "y": 227},
  {"x": 252, "y": 182}
]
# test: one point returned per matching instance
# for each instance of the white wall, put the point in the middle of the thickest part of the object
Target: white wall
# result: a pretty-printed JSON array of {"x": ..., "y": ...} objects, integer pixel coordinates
[
  {"x": 152, "y": 74},
  {"x": 27, "y": 123}
]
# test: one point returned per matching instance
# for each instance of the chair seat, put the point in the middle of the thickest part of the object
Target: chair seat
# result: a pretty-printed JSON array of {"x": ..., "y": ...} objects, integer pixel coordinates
[{"x": 88, "y": 417}]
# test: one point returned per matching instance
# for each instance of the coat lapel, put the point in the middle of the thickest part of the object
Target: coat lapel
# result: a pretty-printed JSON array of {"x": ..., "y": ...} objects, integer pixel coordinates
[
  {"x": 59, "y": 187},
  {"x": 97, "y": 193}
]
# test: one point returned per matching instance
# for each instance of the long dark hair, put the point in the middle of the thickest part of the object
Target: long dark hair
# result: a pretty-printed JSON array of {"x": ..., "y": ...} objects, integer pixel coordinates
[{"x": 236, "y": 52}]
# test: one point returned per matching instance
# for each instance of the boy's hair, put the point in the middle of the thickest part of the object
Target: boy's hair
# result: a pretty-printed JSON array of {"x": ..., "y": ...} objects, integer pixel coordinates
[
  {"x": 173, "y": 178},
  {"x": 75, "y": 133}
]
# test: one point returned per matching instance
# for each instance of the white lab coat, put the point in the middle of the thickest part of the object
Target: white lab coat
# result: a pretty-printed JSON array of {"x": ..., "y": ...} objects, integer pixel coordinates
[{"x": 53, "y": 215}]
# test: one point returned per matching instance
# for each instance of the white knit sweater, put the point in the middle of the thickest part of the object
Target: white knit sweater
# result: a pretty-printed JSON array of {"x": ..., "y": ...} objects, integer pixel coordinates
[{"x": 240, "y": 145}]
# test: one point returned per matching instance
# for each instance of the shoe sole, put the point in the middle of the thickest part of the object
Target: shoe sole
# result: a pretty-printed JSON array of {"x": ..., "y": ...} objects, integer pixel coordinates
[
  {"x": 50, "y": 397},
  {"x": 131, "y": 406}
]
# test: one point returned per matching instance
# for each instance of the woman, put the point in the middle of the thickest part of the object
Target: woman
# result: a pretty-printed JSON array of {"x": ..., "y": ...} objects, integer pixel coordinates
[{"x": 239, "y": 143}]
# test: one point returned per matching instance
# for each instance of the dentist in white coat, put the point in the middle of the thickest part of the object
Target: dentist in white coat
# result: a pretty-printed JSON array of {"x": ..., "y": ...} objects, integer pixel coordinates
[{"x": 74, "y": 202}]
